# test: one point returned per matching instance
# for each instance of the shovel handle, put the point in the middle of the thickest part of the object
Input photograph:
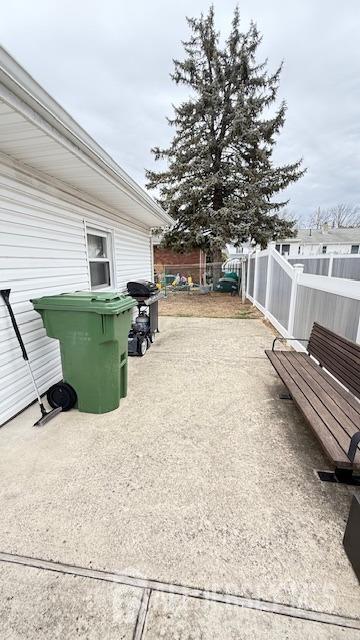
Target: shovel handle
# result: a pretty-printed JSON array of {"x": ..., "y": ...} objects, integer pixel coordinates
[{"x": 5, "y": 294}]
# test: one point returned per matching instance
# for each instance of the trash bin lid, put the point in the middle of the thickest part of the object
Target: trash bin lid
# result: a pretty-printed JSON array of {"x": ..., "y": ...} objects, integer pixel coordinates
[{"x": 103, "y": 302}]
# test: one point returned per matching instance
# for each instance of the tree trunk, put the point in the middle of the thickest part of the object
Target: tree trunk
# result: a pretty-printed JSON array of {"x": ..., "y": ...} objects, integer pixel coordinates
[
  {"x": 217, "y": 262},
  {"x": 218, "y": 202}
]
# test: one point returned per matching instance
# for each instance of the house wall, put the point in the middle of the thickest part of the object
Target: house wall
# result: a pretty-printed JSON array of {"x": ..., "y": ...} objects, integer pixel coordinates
[
  {"x": 43, "y": 252},
  {"x": 311, "y": 250},
  {"x": 339, "y": 248},
  {"x": 192, "y": 263},
  {"x": 316, "y": 249}
]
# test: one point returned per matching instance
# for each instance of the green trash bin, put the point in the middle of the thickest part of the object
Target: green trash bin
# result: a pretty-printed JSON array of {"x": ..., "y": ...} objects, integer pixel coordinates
[{"x": 93, "y": 332}]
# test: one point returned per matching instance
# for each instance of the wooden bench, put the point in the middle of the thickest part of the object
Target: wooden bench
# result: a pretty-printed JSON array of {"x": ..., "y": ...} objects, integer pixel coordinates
[{"x": 332, "y": 411}]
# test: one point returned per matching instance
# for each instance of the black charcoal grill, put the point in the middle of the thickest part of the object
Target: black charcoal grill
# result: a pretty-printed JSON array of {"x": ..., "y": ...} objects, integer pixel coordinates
[{"x": 146, "y": 325}]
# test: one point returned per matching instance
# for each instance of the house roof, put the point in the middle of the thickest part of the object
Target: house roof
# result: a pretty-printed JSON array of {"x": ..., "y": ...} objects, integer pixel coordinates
[
  {"x": 329, "y": 236},
  {"x": 36, "y": 131}
]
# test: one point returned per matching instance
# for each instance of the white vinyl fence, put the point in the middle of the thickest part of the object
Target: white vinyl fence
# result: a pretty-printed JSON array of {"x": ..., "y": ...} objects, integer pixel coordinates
[
  {"x": 292, "y": 300},
  {"x": 338, "y": 266}
]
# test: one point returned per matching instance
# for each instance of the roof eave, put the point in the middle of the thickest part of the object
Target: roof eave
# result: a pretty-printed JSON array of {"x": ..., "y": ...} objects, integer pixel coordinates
[{"x": 24, "y": 87}]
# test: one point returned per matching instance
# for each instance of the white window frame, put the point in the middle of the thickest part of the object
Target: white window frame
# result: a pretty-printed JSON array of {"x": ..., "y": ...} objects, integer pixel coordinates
[{"x": 108, "y": 234}]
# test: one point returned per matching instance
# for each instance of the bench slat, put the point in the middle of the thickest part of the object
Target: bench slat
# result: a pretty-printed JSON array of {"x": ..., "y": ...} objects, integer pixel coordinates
[
  {"x": 342, "y": 427},
  {"x": 340, "y": 356},
  {"x": 345, "y": 357},
  {"x": 318, "y": 402},
  {"x": 299, "y": 395},
  {"x": 342, "y": 397},
  {"x": 337, "y": 369},
  {"x": 343, "y": 363},
  {"x": 351, "y": 347}
]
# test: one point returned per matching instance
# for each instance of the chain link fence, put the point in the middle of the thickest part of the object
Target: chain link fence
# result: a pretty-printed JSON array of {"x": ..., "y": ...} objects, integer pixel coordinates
[{"x": 201, "y": 278}]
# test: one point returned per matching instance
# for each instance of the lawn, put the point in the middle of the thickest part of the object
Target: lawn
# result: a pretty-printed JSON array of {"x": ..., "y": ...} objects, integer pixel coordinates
[{"x": 209, "y": 305}]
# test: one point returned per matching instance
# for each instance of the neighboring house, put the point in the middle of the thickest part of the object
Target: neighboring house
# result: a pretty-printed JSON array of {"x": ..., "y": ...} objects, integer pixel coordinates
[
  {"x": 189, "y": 263},
  {"x": 310, "y": 242},
  {"x": 70, "y": 219},
  {"x": 244, "y": 249}
]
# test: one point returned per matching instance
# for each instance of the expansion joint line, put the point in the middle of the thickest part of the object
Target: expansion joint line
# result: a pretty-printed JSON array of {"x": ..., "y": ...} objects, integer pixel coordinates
[
  {"x": 149, "y": 585},
  {"x": 142, "y": 613}
]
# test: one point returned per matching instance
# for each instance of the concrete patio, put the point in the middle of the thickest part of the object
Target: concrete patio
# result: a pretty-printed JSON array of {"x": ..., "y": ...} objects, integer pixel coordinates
[{"x": 191, "y": 512}]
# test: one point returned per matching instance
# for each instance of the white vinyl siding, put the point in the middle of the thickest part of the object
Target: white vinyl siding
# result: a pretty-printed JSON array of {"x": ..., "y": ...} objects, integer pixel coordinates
[
  {"x": 43, "y": 252},
  {"x": 297, "y": 248},
  {"x": 132, "y": 256}
]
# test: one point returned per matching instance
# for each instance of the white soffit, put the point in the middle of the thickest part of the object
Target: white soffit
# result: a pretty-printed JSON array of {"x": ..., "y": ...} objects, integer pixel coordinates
[{"x": 37, "y": 132}]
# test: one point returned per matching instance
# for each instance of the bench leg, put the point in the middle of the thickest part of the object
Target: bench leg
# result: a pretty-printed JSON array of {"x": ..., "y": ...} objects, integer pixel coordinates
[
  {"x": 340, "y": 476},
  {"x": 285, "y": 395},
  {"x": 347, "y": 476}
]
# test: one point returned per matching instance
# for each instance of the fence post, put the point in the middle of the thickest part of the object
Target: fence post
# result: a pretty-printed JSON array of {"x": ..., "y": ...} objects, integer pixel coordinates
[
  {"x": 248, "y": 276},
  {"x": 256, "y": 274},
  {"x": 268, "y": 279},
  {"x": 358, "y": 333},
  {"x": 243, "y": 283},
  {"x": 298, "y": 269},
  {"x": 331, "y": 260}
]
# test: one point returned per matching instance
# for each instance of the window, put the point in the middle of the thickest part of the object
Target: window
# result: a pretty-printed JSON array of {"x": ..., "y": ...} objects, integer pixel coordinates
[
  {"x": 354, "y": 248},
  {"x": 99, "y": 255},
  {"x": 285, "y": 248},
  {"x": 324, "y": 248},
  {"x": 277, "y": 248}
]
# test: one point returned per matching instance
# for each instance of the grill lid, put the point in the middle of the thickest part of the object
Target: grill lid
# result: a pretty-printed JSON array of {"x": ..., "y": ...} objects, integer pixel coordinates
[{"x": 142, "y": 288}]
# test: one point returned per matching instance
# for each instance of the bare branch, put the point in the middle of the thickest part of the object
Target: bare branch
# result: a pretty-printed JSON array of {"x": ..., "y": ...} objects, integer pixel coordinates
[
  {"x": 344, "y": 215},
  {"x": 318, "y": 218}
]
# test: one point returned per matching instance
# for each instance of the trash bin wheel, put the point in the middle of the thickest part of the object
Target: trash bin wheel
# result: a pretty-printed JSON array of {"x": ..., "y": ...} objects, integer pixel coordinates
[
  {"x": 62, "y": 395},
  {"x": 142, "y": 346}
]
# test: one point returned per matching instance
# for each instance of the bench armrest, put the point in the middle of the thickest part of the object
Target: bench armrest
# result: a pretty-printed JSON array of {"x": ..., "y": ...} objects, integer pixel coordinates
[
  {"x": 287, "y": 340},
  {"x": 354, "y": 443}
]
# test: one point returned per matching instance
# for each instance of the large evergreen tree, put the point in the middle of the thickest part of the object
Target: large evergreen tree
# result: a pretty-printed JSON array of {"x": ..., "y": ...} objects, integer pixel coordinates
[{"x": 220, "y": 180}]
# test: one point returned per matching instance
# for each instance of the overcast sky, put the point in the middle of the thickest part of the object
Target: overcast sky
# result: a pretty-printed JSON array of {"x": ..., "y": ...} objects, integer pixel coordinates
[{"x": 108, "y": 62}]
